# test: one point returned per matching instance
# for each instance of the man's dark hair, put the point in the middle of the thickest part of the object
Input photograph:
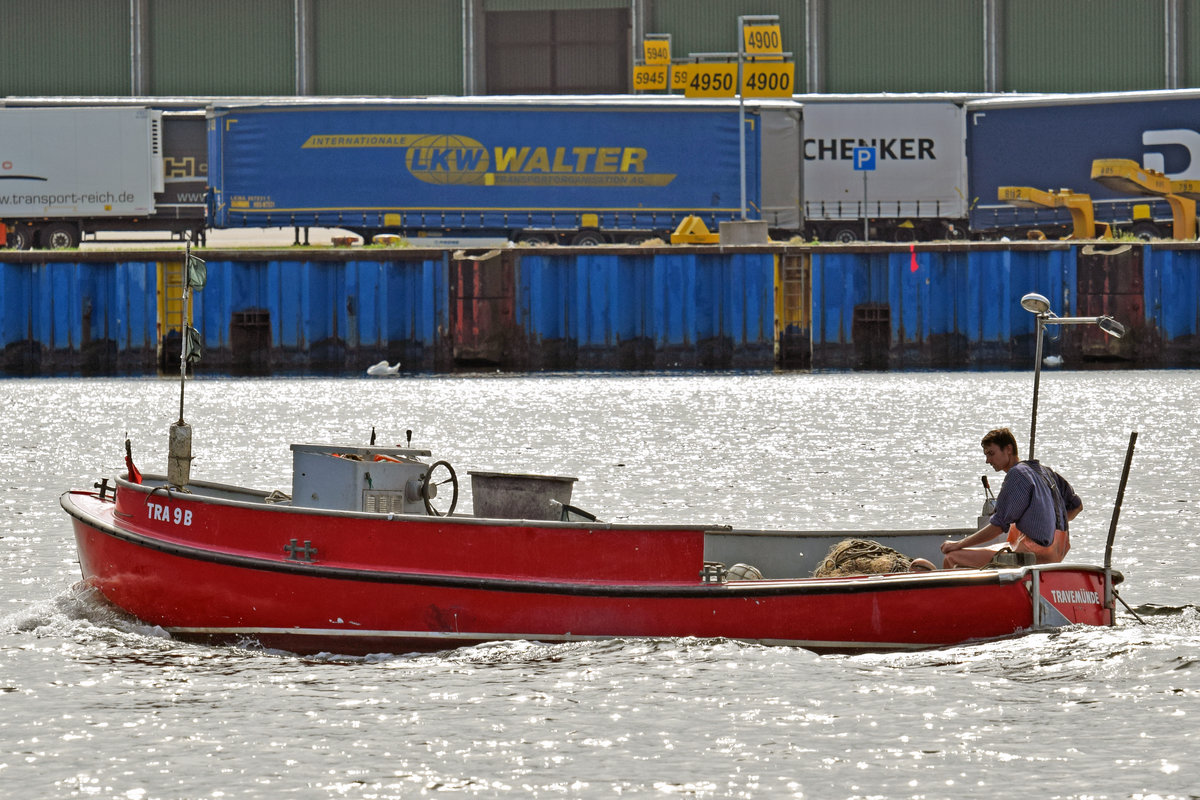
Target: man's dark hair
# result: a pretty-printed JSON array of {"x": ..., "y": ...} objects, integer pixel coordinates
[{"x": 1002, "y": 438}]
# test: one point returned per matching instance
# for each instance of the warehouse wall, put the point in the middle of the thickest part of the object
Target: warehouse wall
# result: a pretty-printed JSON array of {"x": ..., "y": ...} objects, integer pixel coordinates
[{"x": 414, "y": 47}]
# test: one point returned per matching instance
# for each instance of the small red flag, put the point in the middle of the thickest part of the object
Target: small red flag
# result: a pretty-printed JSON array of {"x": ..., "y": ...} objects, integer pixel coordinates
[
  {"x": 134, "y": 475},
  {"x": 912, "y": 258}
]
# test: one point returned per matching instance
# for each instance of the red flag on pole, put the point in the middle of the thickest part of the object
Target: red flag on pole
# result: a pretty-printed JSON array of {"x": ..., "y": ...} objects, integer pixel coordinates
[{"x": 134, "y": 475}]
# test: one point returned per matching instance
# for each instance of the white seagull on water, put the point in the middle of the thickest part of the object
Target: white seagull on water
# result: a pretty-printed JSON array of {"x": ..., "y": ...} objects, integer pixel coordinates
[{"x": 382, "y": 368}]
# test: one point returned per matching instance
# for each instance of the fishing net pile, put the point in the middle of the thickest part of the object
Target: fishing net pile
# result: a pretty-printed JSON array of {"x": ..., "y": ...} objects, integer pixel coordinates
[{"x": 861, "y": 557}]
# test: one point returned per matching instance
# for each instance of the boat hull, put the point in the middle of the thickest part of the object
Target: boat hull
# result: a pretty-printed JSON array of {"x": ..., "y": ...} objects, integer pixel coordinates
[{"x": 208, "y": 584}]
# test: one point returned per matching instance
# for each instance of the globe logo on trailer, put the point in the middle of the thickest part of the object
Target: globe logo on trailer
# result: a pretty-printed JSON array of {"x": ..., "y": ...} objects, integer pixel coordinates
[{"x": 447, "y": 159}]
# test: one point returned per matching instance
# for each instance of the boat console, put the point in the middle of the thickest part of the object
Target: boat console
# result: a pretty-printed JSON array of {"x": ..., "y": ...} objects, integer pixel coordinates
[
  {"x": 395, "y": 480},
  {"x": 385, "y": 480}
]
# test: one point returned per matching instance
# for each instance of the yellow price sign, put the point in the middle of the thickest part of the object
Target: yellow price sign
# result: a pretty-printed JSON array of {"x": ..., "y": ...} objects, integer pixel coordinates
[
  {"x": 680, "y": 75},
  {"x": 761, "y": 40},
  {"x": 710, "y": 80},
  {"x": 647, "y": 78},
  {"x": 656, "y": 52},
  {"x": 768, "y": 79}
]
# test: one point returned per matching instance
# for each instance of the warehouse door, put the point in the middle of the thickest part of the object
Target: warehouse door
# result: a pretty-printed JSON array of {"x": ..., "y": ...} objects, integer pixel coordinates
[{"x": 558, "y": 52}]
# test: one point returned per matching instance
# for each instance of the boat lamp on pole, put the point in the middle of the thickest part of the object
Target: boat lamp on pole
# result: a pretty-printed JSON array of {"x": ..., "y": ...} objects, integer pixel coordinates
[{"x": 1039, "y": 306}]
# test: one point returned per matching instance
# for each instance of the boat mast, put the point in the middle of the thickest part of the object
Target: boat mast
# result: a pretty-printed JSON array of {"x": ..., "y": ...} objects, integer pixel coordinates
[
  {"x": 179, "y": 448},
  {"x": 187, "y": 323}
]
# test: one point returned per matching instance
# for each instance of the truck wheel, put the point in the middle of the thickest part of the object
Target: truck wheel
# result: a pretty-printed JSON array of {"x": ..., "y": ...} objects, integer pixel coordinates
[
  {"x": 1146, "y": 231},
  {"x": 533, "y": 238},
  {"x": 954, "y": 232},
  {"x": 587, "y": 239},
  {"x": 20, "y": 237},
  {"x": 60, "y": 236},
  {"x": 844, "y": 234}
]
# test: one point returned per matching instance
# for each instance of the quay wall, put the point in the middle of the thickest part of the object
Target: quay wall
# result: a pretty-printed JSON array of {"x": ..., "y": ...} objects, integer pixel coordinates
[{"x": 337, "y": 311}]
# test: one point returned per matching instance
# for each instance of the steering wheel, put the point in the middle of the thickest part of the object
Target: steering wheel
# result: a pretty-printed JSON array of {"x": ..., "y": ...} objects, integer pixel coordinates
[{"x": 429, "y": 489}]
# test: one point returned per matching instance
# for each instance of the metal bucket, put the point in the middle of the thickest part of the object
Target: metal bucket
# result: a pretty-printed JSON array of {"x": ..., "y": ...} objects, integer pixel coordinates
[{"x": 508, "y": 495}]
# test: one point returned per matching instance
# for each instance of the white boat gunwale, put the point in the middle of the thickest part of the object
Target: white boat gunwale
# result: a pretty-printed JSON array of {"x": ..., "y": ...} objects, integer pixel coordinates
[{"x": 257, "y": 499}]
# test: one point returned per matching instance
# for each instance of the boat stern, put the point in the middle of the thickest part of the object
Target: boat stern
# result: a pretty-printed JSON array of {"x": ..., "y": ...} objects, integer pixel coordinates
[{"x": 1070, "y": 595}]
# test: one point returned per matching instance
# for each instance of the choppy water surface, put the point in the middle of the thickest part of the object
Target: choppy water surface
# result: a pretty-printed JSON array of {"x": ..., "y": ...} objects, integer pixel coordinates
[{"x": 93, "y": 704}]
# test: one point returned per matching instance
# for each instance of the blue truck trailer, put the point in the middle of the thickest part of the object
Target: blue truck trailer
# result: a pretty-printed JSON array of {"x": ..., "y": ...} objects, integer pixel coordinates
[
  {"x": 1049, "y": 142},
  {"x": 574, "y": 172}
]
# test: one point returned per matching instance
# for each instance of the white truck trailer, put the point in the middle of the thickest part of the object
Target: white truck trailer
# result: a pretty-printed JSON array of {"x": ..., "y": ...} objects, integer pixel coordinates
[
  {"x": 916, "y": 187},
  {"x": 65, "y": 172}
]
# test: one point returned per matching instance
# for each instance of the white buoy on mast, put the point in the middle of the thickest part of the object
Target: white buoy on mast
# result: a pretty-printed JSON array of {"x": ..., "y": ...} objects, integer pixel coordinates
[{"x": 179, "y": 445}]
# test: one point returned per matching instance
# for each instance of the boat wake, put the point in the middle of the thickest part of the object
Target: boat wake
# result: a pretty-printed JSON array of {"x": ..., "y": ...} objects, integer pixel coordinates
[
  {"x": 1076, "y": 652},
  {"x": 1153, "y": 610},
  {"x": 80, "y": 614}
]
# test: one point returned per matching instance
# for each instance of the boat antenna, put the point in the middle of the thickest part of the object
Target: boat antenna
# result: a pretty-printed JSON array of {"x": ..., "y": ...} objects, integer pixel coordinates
[{"x": 1110, "y": 591}]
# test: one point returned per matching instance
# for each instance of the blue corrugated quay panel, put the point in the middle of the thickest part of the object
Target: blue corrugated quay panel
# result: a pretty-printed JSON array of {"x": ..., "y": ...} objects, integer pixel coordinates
[
  {"x": 750, "y": 298},
  {"x": 705, "y": 296},
  {"x": 123, "y": 305},
  {"x": 718, "y": 306},
  {"x": 644, "y": 310},
  {"x": 136, "y": 290},
  {"x": 673, "y": 279},
  {"x": 1172, "y": 294},
  {"x": 94, "y": 301},
  {"x": 14, "y": 302},
  {"x": 930, "y": 291},
  {"x": 232, "y": 286},
  {"x": 49, "y": 306},
  {"x": 208, "y": 307},
  {"x": 955, "y": 308},
  {"x": 631, "y": 283},
  {"x": 323, "y": 292},
  {"x": 545, "y": 297},
  {"x": 836, "y": 284},
  {"x": 282, "y": 300},
  {"x": 357, "y": 305},
  {"x": 54, "y": 323},
  {"x": 999, "y": 278},
  {"x": 583, "y": 302},
  {"x": 365, "y": 282},
  {"x": 599, "y": 294},
  {"x": 65, "y": 316}
]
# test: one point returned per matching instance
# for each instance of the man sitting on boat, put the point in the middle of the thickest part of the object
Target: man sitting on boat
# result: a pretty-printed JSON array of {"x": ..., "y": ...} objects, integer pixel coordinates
[{"x": 1034, "y": 506}]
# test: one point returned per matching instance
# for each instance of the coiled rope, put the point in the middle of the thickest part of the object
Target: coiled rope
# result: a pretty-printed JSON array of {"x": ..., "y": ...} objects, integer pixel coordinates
[{"x": 861, "y": 557}]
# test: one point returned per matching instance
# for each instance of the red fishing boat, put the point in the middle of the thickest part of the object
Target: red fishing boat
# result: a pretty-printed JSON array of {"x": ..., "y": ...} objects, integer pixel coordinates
[
  {"x": 358, "y": 559},
  {"x": 366, "y": 554}
]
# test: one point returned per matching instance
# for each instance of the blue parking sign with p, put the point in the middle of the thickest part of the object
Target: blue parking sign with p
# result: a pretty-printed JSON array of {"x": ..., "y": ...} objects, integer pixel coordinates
[{"x": 864, "y": 158}]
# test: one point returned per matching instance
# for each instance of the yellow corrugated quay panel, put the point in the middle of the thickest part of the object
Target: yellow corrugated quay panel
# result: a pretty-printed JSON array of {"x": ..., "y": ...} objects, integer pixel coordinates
[
  {"x": 170, "y": 297},
  {"x": 793, "y": 292}
]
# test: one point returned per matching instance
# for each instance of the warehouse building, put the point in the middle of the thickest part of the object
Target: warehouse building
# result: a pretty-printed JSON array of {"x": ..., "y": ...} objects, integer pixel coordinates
[{"x": 474, "y": 47}]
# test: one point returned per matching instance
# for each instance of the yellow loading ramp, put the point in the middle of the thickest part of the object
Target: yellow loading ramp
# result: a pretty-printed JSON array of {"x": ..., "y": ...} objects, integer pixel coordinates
[
  {"x": 1126, "y": 176},
  {"x": 1083, "y": 215},
  {"x": 692, "y": 230}
]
